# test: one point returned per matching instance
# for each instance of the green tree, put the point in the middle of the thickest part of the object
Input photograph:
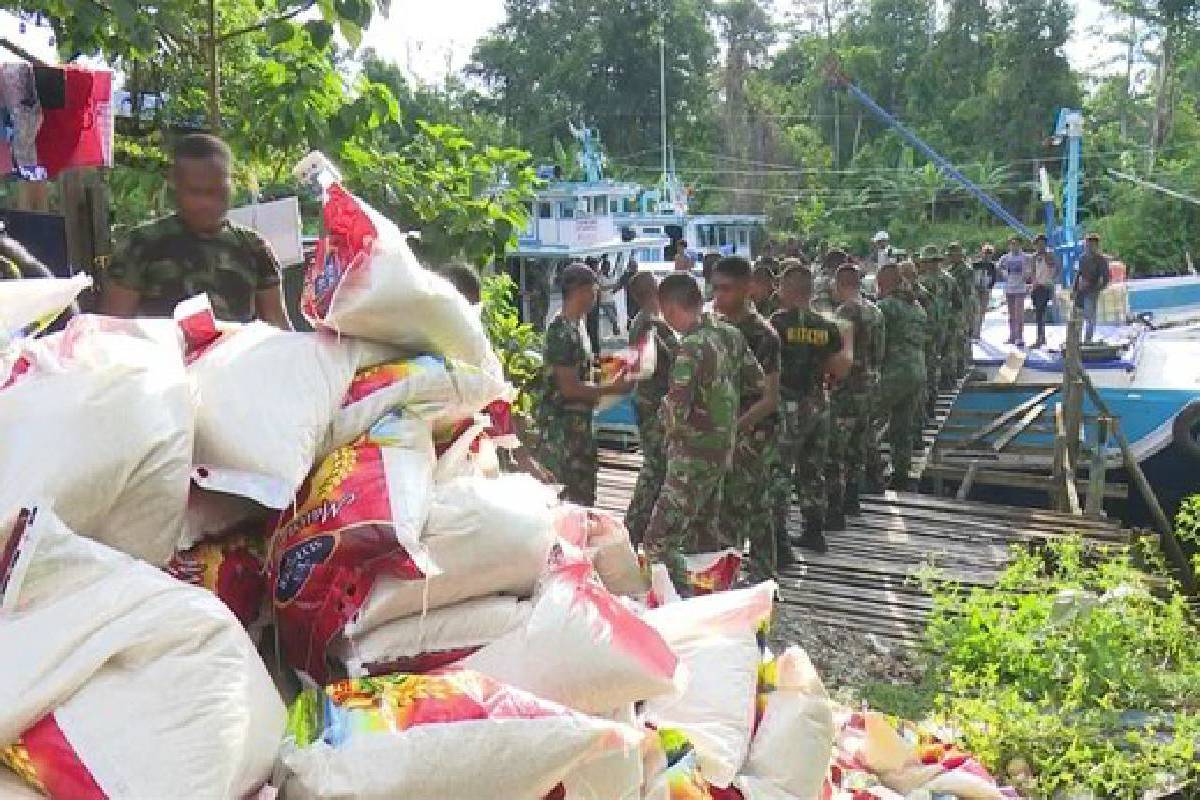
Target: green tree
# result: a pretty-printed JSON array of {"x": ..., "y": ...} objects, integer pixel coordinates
[{"x": 552, "y": 62}]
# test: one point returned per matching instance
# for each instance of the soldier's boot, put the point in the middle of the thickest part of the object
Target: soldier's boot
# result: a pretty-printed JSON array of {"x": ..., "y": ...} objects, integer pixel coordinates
[
  {"x": 903, "y": 483},
  {"x": 835, "y": 519},
  {"x": 851, "y": 505},
  {"x": 814, "y": 534}
]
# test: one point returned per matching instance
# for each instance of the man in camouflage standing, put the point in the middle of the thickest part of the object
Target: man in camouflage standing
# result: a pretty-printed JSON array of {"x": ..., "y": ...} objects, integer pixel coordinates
[
  {"x": 647, "y": 398},
  {"x": 823, "y": 299},
  {"x": 745, "y": 504},
  {"x": 942, "y": 321},
  {"x": 963, "y": 276},
  {"x": 910, "y": 278},
  {"x": 713, "y": 368},
  {"x": 763, "y": 290},
  {"x": 567, "y": 446},
  {"x": 853, "y": 397},
  {"x": 811, "y": 347},
  {"x": 903, "y": 372}
]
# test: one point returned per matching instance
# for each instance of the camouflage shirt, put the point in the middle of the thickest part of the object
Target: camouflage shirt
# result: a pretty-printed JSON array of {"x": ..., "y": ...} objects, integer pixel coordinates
[
  {"x": 166, "y": 263},
  {"x": 713, "y": 369},
  {"x": 868, "y": 336},
  {"x": 666, "y": 342},
  {"x": 907, "y": 333},
  {"x": 768, "y": 305},
  {"x": 567, "y": 345},
  {"x": 807, "y": 339},
  {"x": 964, "y": 279},
  {"x": 764, "y": 344}
]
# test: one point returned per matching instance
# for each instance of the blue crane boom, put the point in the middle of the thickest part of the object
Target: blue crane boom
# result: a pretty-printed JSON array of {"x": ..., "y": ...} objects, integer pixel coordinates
[{"x": 840, "y": 80}]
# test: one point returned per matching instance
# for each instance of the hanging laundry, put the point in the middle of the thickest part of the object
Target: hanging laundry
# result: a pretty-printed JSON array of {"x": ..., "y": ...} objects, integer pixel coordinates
[
  {"x": 18, "y": 94},
  {"x": 95, "y": 138},
  {"x": 63, "y": 127}
]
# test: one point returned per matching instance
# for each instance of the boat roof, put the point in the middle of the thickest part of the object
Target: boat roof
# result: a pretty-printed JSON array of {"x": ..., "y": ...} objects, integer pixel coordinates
[{"x": 540, "y": 250}]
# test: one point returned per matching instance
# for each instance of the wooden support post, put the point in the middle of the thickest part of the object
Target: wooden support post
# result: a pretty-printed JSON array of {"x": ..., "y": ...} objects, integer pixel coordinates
[
  {"x": 1166, "y": 531},
  {"x": 1073, "y": 387},
  {"x": 1057, "y": 492},
  {"x": 968, "y": 481},
  {"x": 1097, "y": 471}
]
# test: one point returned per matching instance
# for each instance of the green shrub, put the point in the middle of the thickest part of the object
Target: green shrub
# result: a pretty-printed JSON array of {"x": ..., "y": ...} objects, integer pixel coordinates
[
  {"x": 1070, "y": 666},
  {"x": 517, "y": 344}
]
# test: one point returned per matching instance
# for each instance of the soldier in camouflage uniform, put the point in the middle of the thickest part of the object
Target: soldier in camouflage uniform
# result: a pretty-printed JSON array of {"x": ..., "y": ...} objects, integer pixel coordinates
[
  {"x": 823, "y": 299},
  {"x": 567, "y": 446},
  {"x": 853, "y": 398},
  {"x": 910, "y": 279},
  {"x": 713, "y": 368},
  {"x": 196, "y": 250},
  {"x": 763, "y": 289},
  {"x": 811, "y": 348},
  {"x": 745, "y": 503},
  {"x": 646, "y": 401},
  {"x": 929, "y": 266},
  {"x": 903, "y": 372},
  {"x": 963, "y": 275}
]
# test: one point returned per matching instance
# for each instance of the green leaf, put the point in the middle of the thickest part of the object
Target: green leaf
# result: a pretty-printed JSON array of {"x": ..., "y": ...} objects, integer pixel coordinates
[
  {"x": 281, "y": 31},
  {"x": 351, "y": 32},
  {"x": 320, "y": 32}
]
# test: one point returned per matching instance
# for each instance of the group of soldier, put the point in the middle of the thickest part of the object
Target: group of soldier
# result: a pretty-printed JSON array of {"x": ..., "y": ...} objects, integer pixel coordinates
[{"x": 782, "y": 388}]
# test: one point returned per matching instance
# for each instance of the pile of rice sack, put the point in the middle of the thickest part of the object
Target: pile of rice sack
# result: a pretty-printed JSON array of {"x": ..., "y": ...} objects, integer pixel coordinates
[{"x": 179, "y": 496}]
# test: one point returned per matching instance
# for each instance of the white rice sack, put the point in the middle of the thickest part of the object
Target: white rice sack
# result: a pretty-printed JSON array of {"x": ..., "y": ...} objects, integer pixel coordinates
[
  {"x": 440, "y": 390},
  {"x": 457, "y": 735},
  {"x": 793, "y": 745},
  {"x": 267, "y": 398},
  {"x": 152, "y": 684},
  {"x": 715, "y": 636},
  {"x": 426, "y": 642},
  {"x": 31, "y": 304},
  {"x": 485, "y": 535},
  {"x": 365, "y": 281},
  {"x": 606, "y": 539},
  {"x": 98, "y": 421},
  {"x": 581, "y": 648},
  {"x": 618, "y": 775}
]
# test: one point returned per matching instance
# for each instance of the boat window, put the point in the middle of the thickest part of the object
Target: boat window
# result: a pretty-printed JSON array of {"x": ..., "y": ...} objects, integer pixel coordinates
[
  {"x": 600, "y": 206},
  {"x": 614, "y": 206},
  {"x": 649, "y": 231},
  {"x": 722, "y": 238},
  {"x": 545, "y": 211},
  {"x": 567, "y": 210},
  {"x": 742, "y": 236}
]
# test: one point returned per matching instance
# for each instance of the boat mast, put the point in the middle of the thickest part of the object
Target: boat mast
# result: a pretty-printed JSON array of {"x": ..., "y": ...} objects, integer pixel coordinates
[{"x": 662, "y": 90}]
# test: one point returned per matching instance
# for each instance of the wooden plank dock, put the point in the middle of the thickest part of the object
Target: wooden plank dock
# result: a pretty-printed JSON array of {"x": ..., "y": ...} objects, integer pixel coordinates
[{"x": 865, "y": 583}]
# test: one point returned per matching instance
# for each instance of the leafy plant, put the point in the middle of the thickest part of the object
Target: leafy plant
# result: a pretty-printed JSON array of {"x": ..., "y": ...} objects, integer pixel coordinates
[
  {"x": 1187, "y": 527},
  {"x": 517, "y": 344},
  {"x": 1070, "y": 674}
]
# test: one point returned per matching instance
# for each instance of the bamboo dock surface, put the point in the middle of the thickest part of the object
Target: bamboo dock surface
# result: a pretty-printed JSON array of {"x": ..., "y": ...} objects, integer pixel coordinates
[{"x": 866, "y": 581}]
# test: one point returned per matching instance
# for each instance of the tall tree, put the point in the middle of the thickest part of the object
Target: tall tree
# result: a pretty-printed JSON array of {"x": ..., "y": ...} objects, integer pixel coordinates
[
  {"x": 748, "y": 33},
  {"x": 552, "y": 62}
]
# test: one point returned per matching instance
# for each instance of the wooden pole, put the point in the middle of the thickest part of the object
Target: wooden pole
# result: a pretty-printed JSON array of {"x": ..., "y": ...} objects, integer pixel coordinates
[
  {"x": 1170, "y": 544},
  {"x": 1096, "y": 473},
  {"x": 212, "y": 43},
  {"x": 1073, "y": 386},
  {"x": 1058, "y": 493}
]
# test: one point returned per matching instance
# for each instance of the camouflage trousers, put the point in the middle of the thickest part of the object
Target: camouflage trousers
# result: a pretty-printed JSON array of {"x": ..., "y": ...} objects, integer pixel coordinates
[
  {"x": 686, "y": 513},
  {"x": 803, "y": 448},
  {"x": 955, "y": 354},
  {"x": 654, "y": 469},
  {"x": 567, "y": 447},
  {"x": 746, "y": 512},
  {"x": 850, "y": 419},
  {"x": 873, "y": 466},
  {"x": 900, "y": 397}
]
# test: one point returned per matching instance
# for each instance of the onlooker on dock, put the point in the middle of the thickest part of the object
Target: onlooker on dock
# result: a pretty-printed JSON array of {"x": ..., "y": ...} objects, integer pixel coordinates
[{"x": 1093, "y": 276}]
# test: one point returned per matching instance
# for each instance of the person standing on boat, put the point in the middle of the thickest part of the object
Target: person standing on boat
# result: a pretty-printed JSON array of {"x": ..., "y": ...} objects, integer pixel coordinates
[
  {"x": 941, "y": 319},
  {"x": 985, "y": 279},
  {"x": 713, "y": 368},
  {"x": 964, "y": 279},
  {"x": 1017, "y": 269},
  {"x": 1093, "y": 277},
  {"x": 853, "y": 397},
  {"x": 567, "y": 446},
  {"x": 683, "y": 261},
  {"x": 745, "y": 499},
  {"x": 647, "y": 399},
  {"x": 811, "y": 347},
  {"x": 906, "y": 334},
  {"x": 1046, "y": 272}
]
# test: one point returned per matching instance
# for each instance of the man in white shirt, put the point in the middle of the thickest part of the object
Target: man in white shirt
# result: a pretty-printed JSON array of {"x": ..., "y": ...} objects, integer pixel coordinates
[
  {"x": 881, "y": 250},
  {"x": 1046, "y": 272}
]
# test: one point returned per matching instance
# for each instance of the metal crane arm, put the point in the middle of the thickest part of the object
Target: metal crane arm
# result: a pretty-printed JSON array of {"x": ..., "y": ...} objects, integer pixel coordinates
[{"x": 840, "y": 80}]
